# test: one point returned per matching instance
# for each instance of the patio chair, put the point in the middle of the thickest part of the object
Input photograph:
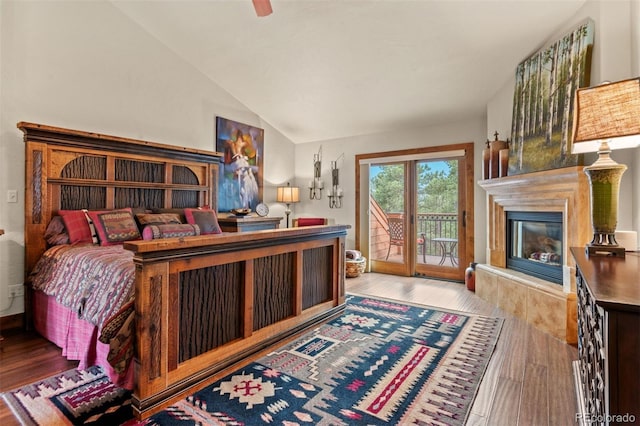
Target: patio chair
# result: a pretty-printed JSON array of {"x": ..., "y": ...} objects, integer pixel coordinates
[{"x": 396, "y": 233}]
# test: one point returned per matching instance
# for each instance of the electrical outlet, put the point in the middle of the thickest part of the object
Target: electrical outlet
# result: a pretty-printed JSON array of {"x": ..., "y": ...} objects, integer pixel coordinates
[
  {"x": 16, "y": 290},
  {"x": 12, "y": 196}
]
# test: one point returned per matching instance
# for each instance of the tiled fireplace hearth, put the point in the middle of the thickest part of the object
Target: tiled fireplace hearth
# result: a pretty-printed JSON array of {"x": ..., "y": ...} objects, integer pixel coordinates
[{"x": 546, "y": 305}]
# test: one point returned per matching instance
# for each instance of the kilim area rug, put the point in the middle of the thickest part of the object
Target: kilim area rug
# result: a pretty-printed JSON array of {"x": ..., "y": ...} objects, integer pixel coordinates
[
  {"x": 74, "y": 397},
  {"x": 380, "y": 362}
]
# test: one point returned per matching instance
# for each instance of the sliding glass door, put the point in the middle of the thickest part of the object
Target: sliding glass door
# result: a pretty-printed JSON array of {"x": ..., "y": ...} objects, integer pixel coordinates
[
  {"x": 389, "y": 221},
  {"x": 437, "y": 217},
  {"x": 415, "y": 217}
]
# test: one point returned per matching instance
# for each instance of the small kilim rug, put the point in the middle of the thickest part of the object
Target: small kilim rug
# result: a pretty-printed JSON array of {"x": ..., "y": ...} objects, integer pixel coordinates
[
  {"x": 380, "y": 362},
  {"x": 74, "y": 397}
]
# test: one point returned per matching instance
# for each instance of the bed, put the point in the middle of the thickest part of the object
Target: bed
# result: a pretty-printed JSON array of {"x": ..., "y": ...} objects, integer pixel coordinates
[{"x": 180, "y": 306}]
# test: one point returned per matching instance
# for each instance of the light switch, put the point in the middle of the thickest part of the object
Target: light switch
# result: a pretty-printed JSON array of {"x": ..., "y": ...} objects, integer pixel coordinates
[{"x": 12, "y": 196}]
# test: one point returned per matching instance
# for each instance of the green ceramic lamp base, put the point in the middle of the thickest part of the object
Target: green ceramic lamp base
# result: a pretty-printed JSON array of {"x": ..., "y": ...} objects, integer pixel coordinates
[{"x": 604, "y": 178}]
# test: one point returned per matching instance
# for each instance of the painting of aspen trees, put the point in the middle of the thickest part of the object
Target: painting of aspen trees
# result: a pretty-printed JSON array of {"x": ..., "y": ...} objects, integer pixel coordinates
[{"x": 543, "y": 103}]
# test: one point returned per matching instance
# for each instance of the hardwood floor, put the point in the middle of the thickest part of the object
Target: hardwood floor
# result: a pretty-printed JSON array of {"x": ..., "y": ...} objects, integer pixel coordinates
[{"x": 528, "y": 381}]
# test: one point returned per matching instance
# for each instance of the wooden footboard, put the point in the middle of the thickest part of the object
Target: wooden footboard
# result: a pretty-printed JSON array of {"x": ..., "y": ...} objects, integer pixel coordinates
[{"x": 203, "y": 303}]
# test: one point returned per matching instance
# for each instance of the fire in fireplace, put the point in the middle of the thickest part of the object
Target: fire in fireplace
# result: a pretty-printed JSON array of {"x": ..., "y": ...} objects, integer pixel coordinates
[{"x": 534, "y": 244}]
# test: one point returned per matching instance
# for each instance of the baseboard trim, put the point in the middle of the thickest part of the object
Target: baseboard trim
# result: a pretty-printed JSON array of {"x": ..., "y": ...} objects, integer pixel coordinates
[{"x": 11, "y": 322}]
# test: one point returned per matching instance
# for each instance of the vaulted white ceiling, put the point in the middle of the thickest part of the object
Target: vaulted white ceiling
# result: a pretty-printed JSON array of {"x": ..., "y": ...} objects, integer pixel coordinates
[{"x": 325, "y": 69}]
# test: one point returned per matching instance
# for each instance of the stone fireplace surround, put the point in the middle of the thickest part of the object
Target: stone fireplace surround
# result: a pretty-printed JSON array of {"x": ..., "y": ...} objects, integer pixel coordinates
[{"x": 545, "y": 305}]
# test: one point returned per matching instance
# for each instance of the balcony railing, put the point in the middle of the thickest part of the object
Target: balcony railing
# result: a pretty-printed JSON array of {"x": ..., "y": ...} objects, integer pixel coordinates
[{"x": 436, "y": 225}]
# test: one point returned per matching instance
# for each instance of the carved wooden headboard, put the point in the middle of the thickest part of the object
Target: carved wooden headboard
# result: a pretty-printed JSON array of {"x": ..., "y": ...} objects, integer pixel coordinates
[{"x": 71, "y": 169}]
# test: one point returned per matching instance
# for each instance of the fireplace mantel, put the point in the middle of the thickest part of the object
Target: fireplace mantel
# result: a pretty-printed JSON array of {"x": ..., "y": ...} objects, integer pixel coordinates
[
  {"x": 563, "y": 190},
  {"x": 539, "y": 302}
]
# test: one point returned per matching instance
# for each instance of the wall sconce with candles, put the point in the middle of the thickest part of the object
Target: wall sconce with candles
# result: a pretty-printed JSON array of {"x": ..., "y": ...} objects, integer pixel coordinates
[
  {"x": 606, "y": 116},
  {"x": 316, "y": 185},
  {"x": 288, "y": 195},
  {"x": 335, "y": 193}
]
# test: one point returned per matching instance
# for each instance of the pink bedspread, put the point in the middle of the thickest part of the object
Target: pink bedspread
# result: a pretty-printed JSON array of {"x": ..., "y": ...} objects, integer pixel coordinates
[
  {"x": 83, "y": 296},
  {"x": 77, "y": 338}
]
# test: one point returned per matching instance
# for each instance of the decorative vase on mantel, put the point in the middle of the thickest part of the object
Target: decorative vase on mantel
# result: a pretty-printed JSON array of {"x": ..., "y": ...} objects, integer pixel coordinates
[
  {"x": 486, "y": 162},
  {"x": 470, "y": 277},
  {"x": 494, "y": 157}
]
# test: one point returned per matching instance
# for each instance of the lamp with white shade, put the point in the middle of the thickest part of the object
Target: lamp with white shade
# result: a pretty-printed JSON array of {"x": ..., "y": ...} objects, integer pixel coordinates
[
  {"x": 288, "y": 195},
  {"x": 606, "y": 117}
]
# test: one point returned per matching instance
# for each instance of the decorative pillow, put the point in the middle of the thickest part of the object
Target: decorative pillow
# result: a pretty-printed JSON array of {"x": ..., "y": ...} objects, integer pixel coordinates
[
  {"x": 77, "y": 226},
  {"x": 56, "y": 233},
  {"x": 145, "y": 219},
  {"x": 310, "y": 221},
  {"x": 206, "y": 219},
  {"x": 179, "y": 212},
  {"x": 140, "y": 210},
  {"x": 169, "y": 230},
  {"x": 115, "y": 226}
]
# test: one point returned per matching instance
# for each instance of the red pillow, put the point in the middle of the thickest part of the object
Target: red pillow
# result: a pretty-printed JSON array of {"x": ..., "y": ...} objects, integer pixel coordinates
[
  {"x": 77, "y": 225},
  {"x": 115, "y": 226},
  {"x": 206, "y": 219},
  {"x": 310, "y": 221}
]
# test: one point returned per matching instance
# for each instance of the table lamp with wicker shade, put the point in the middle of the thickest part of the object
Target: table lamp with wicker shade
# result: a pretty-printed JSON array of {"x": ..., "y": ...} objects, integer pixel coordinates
[{"x": 606, "y": 117}]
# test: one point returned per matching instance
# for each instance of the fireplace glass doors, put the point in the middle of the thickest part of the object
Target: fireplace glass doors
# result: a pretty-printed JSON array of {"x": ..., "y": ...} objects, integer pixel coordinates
[{"x": 534, "y": 244}]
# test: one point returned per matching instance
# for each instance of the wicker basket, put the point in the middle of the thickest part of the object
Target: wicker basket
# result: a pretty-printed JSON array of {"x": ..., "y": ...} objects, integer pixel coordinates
[{"x": 355, "y": 267}]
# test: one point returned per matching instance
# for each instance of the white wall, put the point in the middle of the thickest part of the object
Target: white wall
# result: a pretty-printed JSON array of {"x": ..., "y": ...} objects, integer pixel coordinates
[
  {"x": 616, "y": 53},
  {"x": 85, "y": 66},
  {"x": 471, "y": 129}
]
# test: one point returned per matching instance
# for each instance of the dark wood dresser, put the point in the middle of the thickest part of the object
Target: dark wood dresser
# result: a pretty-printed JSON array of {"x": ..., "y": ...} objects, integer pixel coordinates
[
  {"x": 608, "y": 369},
  {"x": 248, "y": 223}
]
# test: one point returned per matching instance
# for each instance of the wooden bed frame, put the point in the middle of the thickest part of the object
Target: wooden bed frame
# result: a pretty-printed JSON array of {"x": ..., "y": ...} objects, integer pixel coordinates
[{"x": 202, "y": 303}]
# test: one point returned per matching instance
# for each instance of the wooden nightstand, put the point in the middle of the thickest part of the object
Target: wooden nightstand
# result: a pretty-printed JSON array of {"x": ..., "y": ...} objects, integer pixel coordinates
[{"x": 248, "y": 223}]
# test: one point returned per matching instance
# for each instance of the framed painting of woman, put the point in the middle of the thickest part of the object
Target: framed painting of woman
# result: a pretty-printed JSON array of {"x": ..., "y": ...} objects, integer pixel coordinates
[{"x": 241, "y": 172}]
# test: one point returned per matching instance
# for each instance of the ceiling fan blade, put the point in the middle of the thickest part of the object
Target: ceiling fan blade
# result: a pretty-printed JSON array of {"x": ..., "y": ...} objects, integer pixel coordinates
[{"x": 263, "y": 7}]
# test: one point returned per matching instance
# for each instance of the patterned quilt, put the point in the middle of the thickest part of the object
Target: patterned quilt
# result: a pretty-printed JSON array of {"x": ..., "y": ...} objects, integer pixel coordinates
[{"x": 98, "y": 284}]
